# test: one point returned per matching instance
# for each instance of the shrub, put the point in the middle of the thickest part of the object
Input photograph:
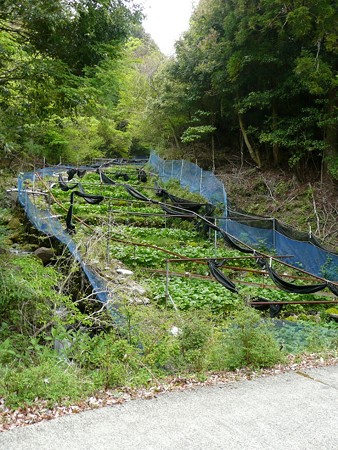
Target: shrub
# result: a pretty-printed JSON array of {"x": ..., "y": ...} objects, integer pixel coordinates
[
  {"x": 51, "y": 379},
  {"x": 28, "y": 296},
  {"x": 193, "y": 339},
  {"x": 249, "y": 342}
]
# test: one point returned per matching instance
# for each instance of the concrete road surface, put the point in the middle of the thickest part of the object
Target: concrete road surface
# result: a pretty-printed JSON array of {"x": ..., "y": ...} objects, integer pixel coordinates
[{"x": 289, "y": 411}]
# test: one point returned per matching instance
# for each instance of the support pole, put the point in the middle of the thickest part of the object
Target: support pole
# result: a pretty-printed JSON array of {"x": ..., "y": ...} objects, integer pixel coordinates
[
  {"x": 181, "y": 174},
  {"x": 215, "y": 238},
  {"x": 201, "y": 176},
  {"x": 34, "y": 185},
  {"x": 108, "y": 235},
  {"x": 166, "y": 282},
  {"x": 49, "y": 200}
]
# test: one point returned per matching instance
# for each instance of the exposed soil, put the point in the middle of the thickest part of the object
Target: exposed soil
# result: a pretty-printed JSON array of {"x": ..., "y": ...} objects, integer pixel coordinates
[{"x": 310, "y": 206}]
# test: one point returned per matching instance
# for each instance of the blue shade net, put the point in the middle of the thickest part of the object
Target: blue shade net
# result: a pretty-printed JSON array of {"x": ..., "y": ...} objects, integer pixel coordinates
[
  {"x": 49, "y": 225},
  {"x": 301, "y": 250},
  {"x": 192, "y": 177}
]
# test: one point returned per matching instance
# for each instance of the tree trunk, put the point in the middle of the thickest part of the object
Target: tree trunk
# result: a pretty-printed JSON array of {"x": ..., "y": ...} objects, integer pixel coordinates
[
  {"x": 275, "y": 147},
  {"x": 213, "y": 152},
  {"x": 331, "y": 134},
  {"x": 253, "y": 153},
  {"x": 177, "y": 142}
]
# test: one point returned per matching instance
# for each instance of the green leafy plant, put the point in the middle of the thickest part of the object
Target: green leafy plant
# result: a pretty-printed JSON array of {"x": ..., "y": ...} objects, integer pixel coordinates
[
  {"x": 193, "y": 340},
  {"x": 51, "y": 379},
  {"x": 249, "y": 342}
]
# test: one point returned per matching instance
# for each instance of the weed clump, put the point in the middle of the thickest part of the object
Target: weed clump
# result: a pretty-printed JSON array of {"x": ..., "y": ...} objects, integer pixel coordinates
[{"x": 249, "y": 342}]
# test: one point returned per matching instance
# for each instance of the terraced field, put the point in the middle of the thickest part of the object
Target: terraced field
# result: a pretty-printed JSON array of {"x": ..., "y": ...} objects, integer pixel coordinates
[
  {"x": 168, "y": 300},
  {"x": 168, "y": 255}
]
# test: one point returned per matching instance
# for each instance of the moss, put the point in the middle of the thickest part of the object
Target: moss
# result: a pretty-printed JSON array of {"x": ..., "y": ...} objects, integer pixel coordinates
[
  {"x": 14, "y": 223},
  {"x": 291, "y": 318},
  {"x": 332, "y": 310}
]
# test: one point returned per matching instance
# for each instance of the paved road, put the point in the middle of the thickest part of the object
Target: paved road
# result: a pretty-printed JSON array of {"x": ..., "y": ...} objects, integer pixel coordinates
[{"x": 289, "y": 411}]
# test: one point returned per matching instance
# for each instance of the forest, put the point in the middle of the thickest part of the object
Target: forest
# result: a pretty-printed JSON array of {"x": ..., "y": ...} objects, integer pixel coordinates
[
  {"x": 250, "y": 96},
  {"x": 250, "y": 79}
]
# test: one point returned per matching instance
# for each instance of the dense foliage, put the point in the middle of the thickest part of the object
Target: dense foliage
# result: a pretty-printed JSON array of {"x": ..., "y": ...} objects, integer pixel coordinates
[
  {"x": 80, "y": 80},
  {"x": 257, "y": 78},
  {"x": 72, "y": 79}
]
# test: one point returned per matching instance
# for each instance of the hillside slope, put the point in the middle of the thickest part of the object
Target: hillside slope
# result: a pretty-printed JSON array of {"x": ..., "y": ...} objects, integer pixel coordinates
[{"x": 310, "y": 206}]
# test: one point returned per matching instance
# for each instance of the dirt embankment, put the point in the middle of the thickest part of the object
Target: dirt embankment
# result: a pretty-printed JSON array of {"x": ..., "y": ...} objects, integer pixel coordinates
[{"x": 310, "y": 206}]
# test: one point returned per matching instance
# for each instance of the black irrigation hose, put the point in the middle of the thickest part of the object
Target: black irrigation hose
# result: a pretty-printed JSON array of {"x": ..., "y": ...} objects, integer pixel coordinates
[
  {"x": 221, "y": 278},
  {"x": 104, "y": 179},
  {"x": 305, "y": 289}
]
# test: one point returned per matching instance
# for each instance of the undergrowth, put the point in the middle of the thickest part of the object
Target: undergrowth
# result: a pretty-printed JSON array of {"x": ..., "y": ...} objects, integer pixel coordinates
[{"x": 61, "y": 348}]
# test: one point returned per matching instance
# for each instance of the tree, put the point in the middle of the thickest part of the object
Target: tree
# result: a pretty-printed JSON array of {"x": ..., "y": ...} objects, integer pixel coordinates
[
  {"x": 266, "y": 69},
  {"x": 49, "y": 49},
  {"x": 78, "y": 32}
]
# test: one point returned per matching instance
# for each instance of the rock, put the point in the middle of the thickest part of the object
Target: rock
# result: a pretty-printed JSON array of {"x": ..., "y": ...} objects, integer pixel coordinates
[
  {"x": 124, "y": 272},
  {"x": 139, "y": 301},
  {"x": 45, "y": 254},
  {"x": 175, "y": 331},
  {"x": 139, "y": 290}
]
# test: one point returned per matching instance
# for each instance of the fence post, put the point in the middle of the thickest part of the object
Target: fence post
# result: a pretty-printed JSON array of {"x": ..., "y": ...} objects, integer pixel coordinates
[
  {"x": 181, "y": 171},
  {"x": 49, "y": 202},
  {"x": 201, "y": 180},
  {"x": 108, "y": 235},
  {"x": 34, "y": 186},
  {"x": 215, "y": 238}
]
